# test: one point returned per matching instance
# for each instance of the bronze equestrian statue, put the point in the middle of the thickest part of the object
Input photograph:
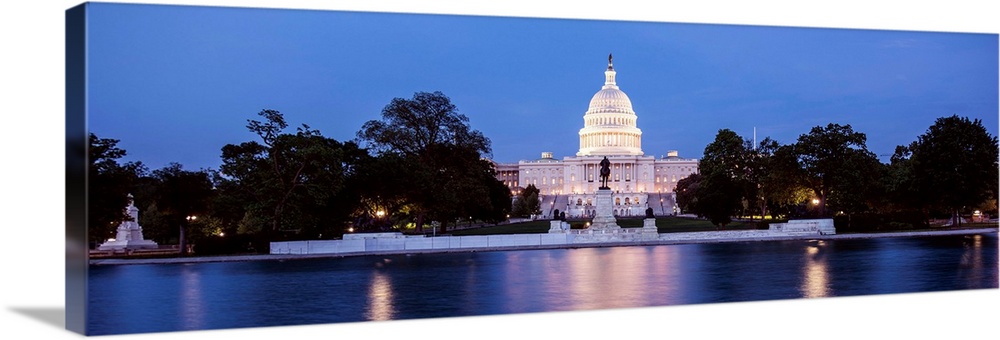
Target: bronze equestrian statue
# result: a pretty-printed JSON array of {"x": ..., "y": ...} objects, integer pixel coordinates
[{"x": 605, "y": 173}]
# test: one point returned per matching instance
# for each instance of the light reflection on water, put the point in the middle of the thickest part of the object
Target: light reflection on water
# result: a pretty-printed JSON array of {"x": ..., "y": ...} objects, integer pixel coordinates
[
  {"x": 815, "y": 283},
  {"x": 155, "y": 298},
  {"x": 191, "y": 300},
  {"x": 380, "y": 302}
]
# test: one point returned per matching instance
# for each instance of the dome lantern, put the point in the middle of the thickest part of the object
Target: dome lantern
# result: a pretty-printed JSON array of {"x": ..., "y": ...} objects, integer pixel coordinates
[{"x": 609, "y": 123}]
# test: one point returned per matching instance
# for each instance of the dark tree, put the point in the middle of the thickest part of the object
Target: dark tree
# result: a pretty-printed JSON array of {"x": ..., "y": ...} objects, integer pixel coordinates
[
  {"x": 527, "y": 202},
  {"x": 182, "y": 197},
  {"x": 687, "y": 190},
  {"x": 499, "y": 204},
  {"x": 718, "y": 198},
  {"x": 377, "y": 187},
  {"x": 108, "y": 185},
  {"x": 414, "y": 126},
  {"x": 289, "y": 181},
  {"x": 954, "y": 164},
  {"x": 782, "y": 182},
  {"x": 835, "y": 163},
  {"x": 726, "y": 179},
  {"x": 442, "y": 157}
]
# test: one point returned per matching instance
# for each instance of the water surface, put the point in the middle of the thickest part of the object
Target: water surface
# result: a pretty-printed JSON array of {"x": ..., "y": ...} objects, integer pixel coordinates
[{"x": 172, "y": 297}]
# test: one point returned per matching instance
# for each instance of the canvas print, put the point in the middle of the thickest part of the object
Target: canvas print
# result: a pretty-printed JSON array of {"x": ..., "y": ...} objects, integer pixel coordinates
[{"x": 253, "y": 167}]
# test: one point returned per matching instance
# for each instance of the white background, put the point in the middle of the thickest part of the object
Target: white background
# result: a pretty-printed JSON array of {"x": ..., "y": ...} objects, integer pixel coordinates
[{"x": 32, "y": 189}]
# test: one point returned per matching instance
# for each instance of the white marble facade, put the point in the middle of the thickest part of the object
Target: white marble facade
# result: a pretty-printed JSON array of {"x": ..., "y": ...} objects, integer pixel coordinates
[{"x": 638, "y": 181}]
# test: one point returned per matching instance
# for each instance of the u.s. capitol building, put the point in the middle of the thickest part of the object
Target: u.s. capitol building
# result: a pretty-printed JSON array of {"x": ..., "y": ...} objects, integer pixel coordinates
[{"x": 609, "y": 130}]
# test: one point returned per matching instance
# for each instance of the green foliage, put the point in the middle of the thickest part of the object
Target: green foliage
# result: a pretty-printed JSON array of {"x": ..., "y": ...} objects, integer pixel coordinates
[
  {"x": 287, "y": 185},
  {"x": 687, "y": 190},
  {"x": 726, "y": 156},
  {"x": 739, "y": 178},
  {"x": 953, "y": 165},
  {"x": 438, "y": 161},
  {"x": 780, "y": 187},
  {"x": 377, "y": 186},
  {"x": 718, "y": 198},
  {"x": 181, "y": 197},
  {"x": 415, "y": 126},
  {"x": 899, "y": 183},
  {"x": 498, "y": 206},
  {"x": 729, "y": 176},
  {"x": 155, "y": 225},
  {"x": 180, "y": 193},
  {"x": 835, "y": 163},
  {"x": 527, "y": 202}
]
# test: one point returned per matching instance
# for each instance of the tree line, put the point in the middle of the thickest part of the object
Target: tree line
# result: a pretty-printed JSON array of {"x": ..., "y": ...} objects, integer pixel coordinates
[
  {"x": 948, "y": 171},
  {"x": 420, "y": 165}
]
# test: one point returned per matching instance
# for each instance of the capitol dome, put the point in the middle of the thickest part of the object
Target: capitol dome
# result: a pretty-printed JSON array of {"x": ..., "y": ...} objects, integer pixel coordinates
[
  {"x": 609, "y": 123},
  {"x": 610, "y": 99}
]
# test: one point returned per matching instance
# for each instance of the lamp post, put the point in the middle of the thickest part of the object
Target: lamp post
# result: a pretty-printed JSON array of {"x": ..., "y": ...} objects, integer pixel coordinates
[
  {"x": 379, "y": 215},
  {"x": 182, "y": 243}
]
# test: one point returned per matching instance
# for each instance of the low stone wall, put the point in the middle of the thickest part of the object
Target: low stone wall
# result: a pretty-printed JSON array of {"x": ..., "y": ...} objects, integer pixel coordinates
[
  {"x": 396, "y": 242},
  {"x": 805, "y": 227},
  {"x": 367, "y": 243}
]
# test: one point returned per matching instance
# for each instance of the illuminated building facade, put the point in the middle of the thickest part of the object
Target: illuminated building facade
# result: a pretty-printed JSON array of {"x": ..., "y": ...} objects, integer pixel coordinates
[{"x": 610, "y": 130}]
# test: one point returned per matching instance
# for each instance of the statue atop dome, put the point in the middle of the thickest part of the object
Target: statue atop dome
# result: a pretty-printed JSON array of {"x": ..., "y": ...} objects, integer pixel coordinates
[{"x": 609, "y": 62}]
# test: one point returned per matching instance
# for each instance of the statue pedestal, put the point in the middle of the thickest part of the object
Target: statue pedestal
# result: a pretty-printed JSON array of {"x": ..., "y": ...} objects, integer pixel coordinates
[
  {"x": 649, "y": 223},
  {"x": 558, "y": 227},
  {"x": 129, "y": 237},
  {"x": 649, "y": 231},
  {"x": 604, "y": 217},
  {"x": 129, "y": 233}
]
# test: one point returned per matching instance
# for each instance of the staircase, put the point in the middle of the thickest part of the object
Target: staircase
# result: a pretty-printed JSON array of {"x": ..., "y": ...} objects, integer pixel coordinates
[
  {"x": 666, "y": 208},
  {"x": 550, "y": 203}
]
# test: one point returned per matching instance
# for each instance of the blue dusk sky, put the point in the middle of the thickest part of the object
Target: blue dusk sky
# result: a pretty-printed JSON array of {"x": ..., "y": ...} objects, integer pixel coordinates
[{"x": 176, "y": 83}]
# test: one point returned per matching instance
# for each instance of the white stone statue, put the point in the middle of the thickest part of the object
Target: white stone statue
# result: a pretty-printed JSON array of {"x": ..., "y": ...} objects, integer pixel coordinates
[{"x": 129, "y": 234}]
